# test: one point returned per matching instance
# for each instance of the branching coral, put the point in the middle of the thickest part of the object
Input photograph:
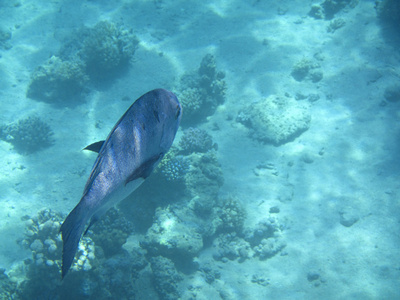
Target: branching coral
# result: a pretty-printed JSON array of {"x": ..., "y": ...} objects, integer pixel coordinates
[
  {"x": 202, "y": 91},
  {"x": 107, "y": 48},
  {"x": 28, "y": 135},
  {"x": 166, "y": 278},
  {"x": 195, "y": 140},
  {"x": 111, "y": 232}
]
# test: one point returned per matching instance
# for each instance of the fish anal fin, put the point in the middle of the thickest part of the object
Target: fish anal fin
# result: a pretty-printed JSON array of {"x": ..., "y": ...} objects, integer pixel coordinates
[{"x": 92, "y": 221}]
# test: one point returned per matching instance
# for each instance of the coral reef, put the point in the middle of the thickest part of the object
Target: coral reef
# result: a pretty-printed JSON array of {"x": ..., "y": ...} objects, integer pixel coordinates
[
  {"x": 306, "y": 69},
  {"x": 191, "y": 100},
  {"x": 209, "y": 273},
  {"x": 268, "y": 248},
  {"x": 266, "y": 229},
  {"x": 170, "y": 237},
  {"x": 107, "y": 48},
  {"x": 58, "y": 81},
  {"x": 266, "y": 238},
  {"x": 7, "y": 287},
  {"x": 201, "y": 92},
  {"x": 231, "y": 247},
  {"x": 336, "y": 24},
  {"x": 111, "y": 232},
  {"x": 328, "y": 8},
  {"x": 203, "y": 181},
  {"x": 101, "y": 52},
  {"x": 114, "y": 279},
  {"x": 175, "y": 168},
  {"x": 195, "y": 140},
  {"x": 211, "y": 80},
  {"x": 166, "y": 278},
  {"x": 264, "y": 241},
  {"x": 28, "y": 135},
  {"x": 43, "y": 239},
  {"x": 276, "y": 119},
  {"x": 232, "y": 215}
]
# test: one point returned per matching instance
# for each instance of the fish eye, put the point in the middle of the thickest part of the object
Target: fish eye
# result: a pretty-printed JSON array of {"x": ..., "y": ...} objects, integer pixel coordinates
[{"x": 178, "y": 112}]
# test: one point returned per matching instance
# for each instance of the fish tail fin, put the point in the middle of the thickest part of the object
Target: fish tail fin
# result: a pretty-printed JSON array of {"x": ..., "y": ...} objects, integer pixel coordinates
[{"x": 71, "y": 232}]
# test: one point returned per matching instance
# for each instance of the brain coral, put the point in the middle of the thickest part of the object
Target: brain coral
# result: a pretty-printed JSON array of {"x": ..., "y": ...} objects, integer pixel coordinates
[{"x": 276, "y": 119}]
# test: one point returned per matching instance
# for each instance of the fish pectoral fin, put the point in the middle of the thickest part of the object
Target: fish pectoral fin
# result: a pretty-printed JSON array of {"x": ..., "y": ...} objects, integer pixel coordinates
[
  {"x": 95, "y": 147},
  {"x": 145, "y": 169}
]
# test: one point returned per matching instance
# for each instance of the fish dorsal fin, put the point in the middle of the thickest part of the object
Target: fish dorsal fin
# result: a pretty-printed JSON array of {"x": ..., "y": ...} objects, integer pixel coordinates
[{"x": 95, "y": 147}]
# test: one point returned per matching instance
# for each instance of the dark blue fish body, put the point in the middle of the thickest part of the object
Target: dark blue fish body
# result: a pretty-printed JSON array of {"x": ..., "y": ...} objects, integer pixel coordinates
[{"x": 134, "y": 147}]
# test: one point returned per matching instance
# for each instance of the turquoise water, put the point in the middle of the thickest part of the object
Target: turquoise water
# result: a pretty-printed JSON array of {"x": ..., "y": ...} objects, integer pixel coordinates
[{"x": 283, "y": 179}]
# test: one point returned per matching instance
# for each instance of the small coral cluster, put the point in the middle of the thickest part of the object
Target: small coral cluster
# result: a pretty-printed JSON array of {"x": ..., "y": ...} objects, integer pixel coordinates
[
  {"x": 203, "y": 182},
  {"x": 276, "y": 119},
  {"x": 166, "y": 278},
  {"x": 172, "y": 238},
  {"x": 28, "y": 135},
  {"x": 92, "y": 54},
  {"x": 175, "y": 168},
  {"x": 107, "y": 48},
  {"x": 7, "y": 287},
  {"x": 264, "y": 241},
  {"x": 111, "y": 232},
  {"x": 195, "y": 140},
  {"x": 307, "y": 69},
  {"x": 336, "y": 24},
  {"x": 178, "y": 163},
  {"x": 58, "y": 81},
  {"x": 5, "y": 36},
  {"x": 201, "y": 92},
  {"x": 232, "y": 215},
  {"x": 328, "y": 8},
  {"x": 43, "y": 239}
]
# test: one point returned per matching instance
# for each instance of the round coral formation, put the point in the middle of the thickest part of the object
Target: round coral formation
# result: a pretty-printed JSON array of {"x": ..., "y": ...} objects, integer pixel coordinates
[
  {"x": 175, "y": 168},
  {"x": 107, "y": 48},
  {"x": 28, "y": 135},
  {"x": 195, "y": 140},
  {"x": 58, "y": 81},
  {"x": 276, "y": 119}
]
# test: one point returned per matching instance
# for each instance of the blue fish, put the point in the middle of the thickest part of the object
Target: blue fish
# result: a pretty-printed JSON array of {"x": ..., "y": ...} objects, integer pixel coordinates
[{"x": 133, "y": 148}]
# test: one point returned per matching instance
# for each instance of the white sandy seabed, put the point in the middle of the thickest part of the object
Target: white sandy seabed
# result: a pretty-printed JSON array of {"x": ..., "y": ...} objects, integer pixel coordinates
[{"x": 353, "y": 141}]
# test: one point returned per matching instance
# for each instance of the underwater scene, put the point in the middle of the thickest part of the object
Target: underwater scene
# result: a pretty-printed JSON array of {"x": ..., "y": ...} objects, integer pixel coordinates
[{"x": 275, "y": 176}]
